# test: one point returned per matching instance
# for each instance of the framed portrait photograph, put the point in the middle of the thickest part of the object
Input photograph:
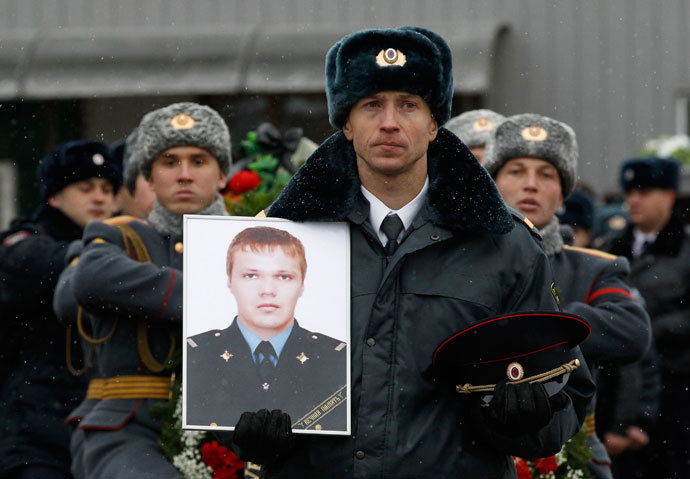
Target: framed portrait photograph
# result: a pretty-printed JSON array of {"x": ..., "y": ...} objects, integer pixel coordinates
[{"x": 266, "y": 322}]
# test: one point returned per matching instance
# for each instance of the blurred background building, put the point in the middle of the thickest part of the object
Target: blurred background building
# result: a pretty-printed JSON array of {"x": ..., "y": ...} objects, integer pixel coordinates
[{"x": 617, "y": 71}]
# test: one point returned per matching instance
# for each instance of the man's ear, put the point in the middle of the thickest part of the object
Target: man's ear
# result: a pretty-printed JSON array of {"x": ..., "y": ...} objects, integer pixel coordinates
[
  {"x": 433, "y": 129},
  {"x": 222, "y": 181},
  {"x": 54, "y": 202},
  {"x": 229, "y": 284},
  {"x": 347, "y": 129}
]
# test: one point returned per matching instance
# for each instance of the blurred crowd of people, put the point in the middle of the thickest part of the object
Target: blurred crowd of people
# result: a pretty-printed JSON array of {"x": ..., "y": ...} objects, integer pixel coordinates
[{"x": 91, "y": 290}]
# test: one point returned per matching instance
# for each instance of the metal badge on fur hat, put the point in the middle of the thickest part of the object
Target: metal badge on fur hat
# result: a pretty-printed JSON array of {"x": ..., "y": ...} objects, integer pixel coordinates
[
  {"x": 473, "y": 127},
  {"x": 652, "y": 172},
  {"x": 77, "y": 161},
  {"x": 534, "y": 136},
  {"x": 181, "y": 124},
  {"x": 409, "y": 59}
]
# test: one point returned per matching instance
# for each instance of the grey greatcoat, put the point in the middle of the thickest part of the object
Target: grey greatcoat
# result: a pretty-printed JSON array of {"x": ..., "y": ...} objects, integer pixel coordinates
[
  {"x": 120, "y": 435},
  {"x": 465, "y": 258},
  {"x": 594, "y": 286}
]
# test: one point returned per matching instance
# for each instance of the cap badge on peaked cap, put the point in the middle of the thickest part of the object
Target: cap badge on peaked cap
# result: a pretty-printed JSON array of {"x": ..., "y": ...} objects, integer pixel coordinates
[
  {"x": 390, "y": 57},
  {"x": 98, "y": 159},
  {"x": 534, "y": 133},
  {"x": 482, "y": 124},
  {"x": 515, "y": 371},
  {"x": 182, "y": 121}
]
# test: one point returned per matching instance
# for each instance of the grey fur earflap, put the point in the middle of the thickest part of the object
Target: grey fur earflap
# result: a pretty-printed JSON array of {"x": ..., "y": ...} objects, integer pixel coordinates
[
  {"x": 181, "y": 124},
  {"x": 534, "y": 136}
]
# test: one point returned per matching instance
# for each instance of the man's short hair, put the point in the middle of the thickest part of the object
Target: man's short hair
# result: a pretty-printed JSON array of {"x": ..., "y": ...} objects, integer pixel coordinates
[{"x": 259, "y": 239}]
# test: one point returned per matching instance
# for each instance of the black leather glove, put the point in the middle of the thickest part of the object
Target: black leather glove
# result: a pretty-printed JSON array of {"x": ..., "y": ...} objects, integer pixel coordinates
[
  {"x": 263, "y": 437},
  {"x": 522, "y": 408}
]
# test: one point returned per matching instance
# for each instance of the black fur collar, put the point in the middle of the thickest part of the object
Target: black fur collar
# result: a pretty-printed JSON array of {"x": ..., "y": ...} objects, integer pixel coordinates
[{"x": 462, "y": 196}]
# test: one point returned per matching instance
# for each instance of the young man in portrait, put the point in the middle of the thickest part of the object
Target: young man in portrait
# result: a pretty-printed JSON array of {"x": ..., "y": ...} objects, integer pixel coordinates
[{"x": 265, "y": 358}]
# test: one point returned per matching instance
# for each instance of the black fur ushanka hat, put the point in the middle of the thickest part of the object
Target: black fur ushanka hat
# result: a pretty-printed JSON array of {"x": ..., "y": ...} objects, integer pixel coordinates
[{"x": 409, "y": 59}]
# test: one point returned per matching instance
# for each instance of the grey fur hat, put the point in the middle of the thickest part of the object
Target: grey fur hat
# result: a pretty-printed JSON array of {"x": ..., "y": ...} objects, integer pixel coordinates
[
  {"x": 181, "y": 124},
  {"x": 473, "y": 127},
  {"x": 534, "y": 136}
]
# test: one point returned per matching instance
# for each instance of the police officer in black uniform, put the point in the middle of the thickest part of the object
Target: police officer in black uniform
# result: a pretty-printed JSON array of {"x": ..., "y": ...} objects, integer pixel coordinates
[
  {"x": 78, "y": 180},
  {"x": 265, "y": 358}
]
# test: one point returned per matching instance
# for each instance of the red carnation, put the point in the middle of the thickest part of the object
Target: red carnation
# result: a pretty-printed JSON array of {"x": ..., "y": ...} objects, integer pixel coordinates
[
  {"x": 546, "y": 465},
  {"x": 243, "y": 181},
  {"x": 523, "y": 471},
  {"x": 224, "y": 462}
]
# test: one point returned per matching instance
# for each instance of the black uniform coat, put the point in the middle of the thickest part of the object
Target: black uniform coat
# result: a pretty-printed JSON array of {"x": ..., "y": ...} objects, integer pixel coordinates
[
  {"x": 465, "y": 258},
  {"x": 38, "y": 391},
  {"x": 662, "y": 275},
  {"x": 223, "y": 381}
]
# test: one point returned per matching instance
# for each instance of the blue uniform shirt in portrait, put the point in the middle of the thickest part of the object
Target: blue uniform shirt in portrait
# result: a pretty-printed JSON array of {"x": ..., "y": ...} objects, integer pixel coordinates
[{"x": 277, "y": 341}]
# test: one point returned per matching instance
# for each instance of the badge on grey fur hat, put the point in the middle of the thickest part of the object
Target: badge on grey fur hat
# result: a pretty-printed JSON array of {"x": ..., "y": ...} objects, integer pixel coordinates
[
  {"x": 473, "y": 127},
  {"x": 181, "y": 124},
  {"x": 534, "y": 136}
]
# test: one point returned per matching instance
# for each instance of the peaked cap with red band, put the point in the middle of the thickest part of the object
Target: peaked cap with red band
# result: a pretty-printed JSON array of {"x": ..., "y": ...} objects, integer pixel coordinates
[{"x": 510, "y": 347}]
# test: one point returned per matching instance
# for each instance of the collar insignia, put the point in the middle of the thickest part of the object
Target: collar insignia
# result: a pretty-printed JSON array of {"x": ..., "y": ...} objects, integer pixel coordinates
[
  {"x": 226, "y": 355},
  {"x": 302, "y": 357}
]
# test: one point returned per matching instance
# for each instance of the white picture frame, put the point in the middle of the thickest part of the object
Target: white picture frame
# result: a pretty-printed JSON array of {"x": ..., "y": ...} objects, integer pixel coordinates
[{"x": 211, "y": 322}]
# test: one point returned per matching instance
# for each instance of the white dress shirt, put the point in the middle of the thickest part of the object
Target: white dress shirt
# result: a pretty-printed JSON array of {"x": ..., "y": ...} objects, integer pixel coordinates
[
  {"x": 378, "y": 211},
  {"x": 639, "y": 240}
]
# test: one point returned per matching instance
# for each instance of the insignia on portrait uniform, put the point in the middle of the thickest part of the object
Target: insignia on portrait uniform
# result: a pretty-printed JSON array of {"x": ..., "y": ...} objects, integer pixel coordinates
[
  {"x": 517, "y": 347},
  {"x": 302, "y": 357},
  {"x": 226, "y": 355},
  {"x": 340, "y": 346},
  {"x": 192, "y": 343}
]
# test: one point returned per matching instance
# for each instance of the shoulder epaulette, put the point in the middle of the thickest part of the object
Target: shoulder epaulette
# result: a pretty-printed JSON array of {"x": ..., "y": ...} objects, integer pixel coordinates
[
  {"x": 525, "y": 221},
  {"x": 120, "y": 220},
  {"x": 591, "y": 252}
]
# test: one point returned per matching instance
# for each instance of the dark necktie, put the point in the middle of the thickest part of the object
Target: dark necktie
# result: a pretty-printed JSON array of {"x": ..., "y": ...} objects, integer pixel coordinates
[
  {"x": 392, "y": 226},
  {"x": 263, "y": 354}
]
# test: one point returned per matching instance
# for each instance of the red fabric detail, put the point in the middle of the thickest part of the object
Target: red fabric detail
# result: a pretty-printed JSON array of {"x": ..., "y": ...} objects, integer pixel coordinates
[
  {"x": 15, "y": 238},
  {"x": 129, "y": 417},
  {"x": 555, "y": 315},
  {"x": 167, "y": 295},
  {"x": 591, "y": 297}
]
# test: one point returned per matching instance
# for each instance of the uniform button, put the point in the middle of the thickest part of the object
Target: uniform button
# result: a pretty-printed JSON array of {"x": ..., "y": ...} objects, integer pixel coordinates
[
  {"x": 178, "y": 247},
  {"x": 371, "y": 342},
  {"x": 359, "y": 454},
  {"x": 435, "y": 236}
]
